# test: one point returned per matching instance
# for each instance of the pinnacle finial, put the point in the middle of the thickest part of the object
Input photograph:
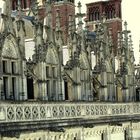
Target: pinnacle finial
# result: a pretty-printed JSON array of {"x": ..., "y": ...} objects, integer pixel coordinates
[
  {"x": 139, "y": 45},
  {"x": 125, "y": 25},
  {"x": 130, "y": 42},
  {"x": 79, "y": 7},
  {"x": 19, "y": 9},
  {"x": 34, "y": 9},
  {"x": 58, "y": 19}
]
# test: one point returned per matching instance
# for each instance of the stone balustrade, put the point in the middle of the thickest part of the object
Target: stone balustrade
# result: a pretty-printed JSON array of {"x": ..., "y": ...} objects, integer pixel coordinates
[{"x": 39, "y": 111}]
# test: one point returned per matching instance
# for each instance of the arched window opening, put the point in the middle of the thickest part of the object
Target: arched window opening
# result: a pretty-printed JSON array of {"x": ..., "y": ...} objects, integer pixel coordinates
[
  {"x": 52, "y": 75},
  {"x": 9, "y": 69},
  {"x": 97, "y": 16},
  {"x": 30, "y": 88},
  {"x": 25, "y": 4},
  {"x": 15, "y": 5}
]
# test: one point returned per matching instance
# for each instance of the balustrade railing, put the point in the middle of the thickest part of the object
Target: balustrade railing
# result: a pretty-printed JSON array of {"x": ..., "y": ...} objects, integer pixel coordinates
[{"x": 27, "y": 111}]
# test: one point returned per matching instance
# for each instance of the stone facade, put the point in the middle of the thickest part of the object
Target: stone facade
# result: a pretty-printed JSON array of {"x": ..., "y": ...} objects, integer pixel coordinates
[
  {"x": 42, "y": 98},
  {"x": 105, "y": 132},
  {"x": 47, "y": 77}
]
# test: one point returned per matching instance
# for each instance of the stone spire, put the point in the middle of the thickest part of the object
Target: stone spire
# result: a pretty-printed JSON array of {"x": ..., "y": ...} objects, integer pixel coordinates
[
  {"x": 20, "y": 30},
  {"x": 80, "y": 30},
  {"x": 48, "y": 30},
  {"x": 19, "y": 9},
  {"x": 38, "y": 32},
  {"x": 126, "y": 64},
  {"x": 70, "y": 25},
  {"x": 58, "y": 36},
  {"x": 58, "y": 26},
  {"x": 7, "y": 23},
  {"x": 80, "y": 16}
]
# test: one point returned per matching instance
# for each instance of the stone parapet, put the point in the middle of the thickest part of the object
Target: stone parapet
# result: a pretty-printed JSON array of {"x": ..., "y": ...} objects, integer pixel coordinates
[{"x": 41, "y": 111}]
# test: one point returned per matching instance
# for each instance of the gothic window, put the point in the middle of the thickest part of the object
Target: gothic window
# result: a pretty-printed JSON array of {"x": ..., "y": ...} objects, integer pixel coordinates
[
  {"x": 5, "y": 86},
  {"x": 120, "y": 11},
  {"x": 9, "y": 82},
  {"x": 51, "y": 74},
  {"x": 54, "y": 87},
  {"x": 51, "y": 83},
  {"x": 9, "y": 68},
  {"x": 24, "y": 4},
  {"x": 54, "y": 72},
  {"x": 14, "y": 4},
  {"x": 48, "y": 86},
  {"x": 13, "y": 87},
  {"x": 84, "y": 75},
  {"x": 110, "y": 11},
  {"x": 13, "y": 67},
  {"x": 94, "y": 14},
  {"x": 47, "y": 71},
  {"x": 90, "y": 17},
  {"x": 4, "y": 66}
]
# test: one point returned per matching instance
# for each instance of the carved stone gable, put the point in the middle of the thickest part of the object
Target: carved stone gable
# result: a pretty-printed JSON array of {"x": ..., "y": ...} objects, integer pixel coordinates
[
  {"x": 51, "y": 56},
  {"x": 9, "y": 48}
]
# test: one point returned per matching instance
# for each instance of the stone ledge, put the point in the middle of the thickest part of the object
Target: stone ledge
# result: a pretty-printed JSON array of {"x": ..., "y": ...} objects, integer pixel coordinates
[{"x": 17, "y": 128}]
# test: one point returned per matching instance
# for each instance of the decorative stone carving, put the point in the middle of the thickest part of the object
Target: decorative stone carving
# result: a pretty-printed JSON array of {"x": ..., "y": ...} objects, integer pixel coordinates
[{"x": 10, "y": 49}]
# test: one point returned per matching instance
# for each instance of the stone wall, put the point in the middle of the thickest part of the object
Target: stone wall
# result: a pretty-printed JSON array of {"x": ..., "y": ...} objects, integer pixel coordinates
[{"x": 101, "y": 132}]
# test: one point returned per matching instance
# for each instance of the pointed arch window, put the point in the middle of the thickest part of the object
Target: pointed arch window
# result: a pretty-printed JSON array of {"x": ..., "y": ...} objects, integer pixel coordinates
[
  {"x": 14, "y": 4},
  {"x": 110, "y": 11},
  {"x": 94, "y": 14}
]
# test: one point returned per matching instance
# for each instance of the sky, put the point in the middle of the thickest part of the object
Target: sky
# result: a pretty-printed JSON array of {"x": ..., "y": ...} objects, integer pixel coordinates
[{"x": 130, "y": 13}]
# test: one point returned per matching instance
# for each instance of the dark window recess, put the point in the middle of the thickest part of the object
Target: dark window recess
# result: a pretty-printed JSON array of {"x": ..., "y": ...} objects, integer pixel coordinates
[
  {"x": 66, "y": 90},
  {"x": 13, "y": 67},
  {"x": 48, "y": 87},
  {"x": 4, "y": 66},
  {"x": 53, "y": 72},
  {"x": 30, "y": 88},
  {"x": 14, "y": 4},
  {"x": 5, "y": 86},
  {"x": 24, "y": 4},
  {"x": 47, "y": 71},
  {"x": 102, "y": 136},
  {"x": 126, "y": 136},
  {"x": 54, "y": 86},
  {"x": 13, "y": 87},
  {"x": 138, "y": 94}
]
